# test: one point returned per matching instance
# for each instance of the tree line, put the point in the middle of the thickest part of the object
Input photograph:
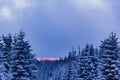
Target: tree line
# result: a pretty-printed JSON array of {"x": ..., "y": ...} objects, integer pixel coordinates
[
  {"x": 95, "y": 64},
  {"x": 89, "y": 63}
]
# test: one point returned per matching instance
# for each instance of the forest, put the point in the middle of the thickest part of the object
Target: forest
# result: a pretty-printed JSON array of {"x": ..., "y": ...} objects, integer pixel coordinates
[{"x": 17, "y": 62}]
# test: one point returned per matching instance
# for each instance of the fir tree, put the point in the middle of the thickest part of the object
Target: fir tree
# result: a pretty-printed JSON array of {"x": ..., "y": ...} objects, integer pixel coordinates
[
  {"x": 109, "y": 52},
  {"x": 2, "y": 67},
  {"x": 93, "y": 63},
  {"x": 72, "y": 71},
  {"x": 23, "y": 67},
  {"x": 87, "y": 64},
  {"x": 7, "y": 47},
  {"x": 83, "y": 67},
  {"x": 1, "y": 44},
  {"x": 72, "y": 66}
]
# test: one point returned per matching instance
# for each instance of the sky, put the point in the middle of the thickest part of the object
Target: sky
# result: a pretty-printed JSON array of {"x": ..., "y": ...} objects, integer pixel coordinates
[{"x": 53, "y": 27}]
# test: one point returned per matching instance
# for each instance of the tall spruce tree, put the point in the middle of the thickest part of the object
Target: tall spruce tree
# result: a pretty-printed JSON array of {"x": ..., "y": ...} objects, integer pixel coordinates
[
  {"x": 109, "y": 54},
  {"x": 23, "y": 67}
]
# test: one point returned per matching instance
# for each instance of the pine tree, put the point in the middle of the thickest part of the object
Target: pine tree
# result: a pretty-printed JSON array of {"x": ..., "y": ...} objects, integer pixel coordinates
[
  {"x": 23, "y": 67},
  {"x": 109, "y": 52}
]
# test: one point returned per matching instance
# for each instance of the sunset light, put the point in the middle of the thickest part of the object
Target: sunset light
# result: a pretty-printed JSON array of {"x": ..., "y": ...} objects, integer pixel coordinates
[{"x": 47, "y": 59}]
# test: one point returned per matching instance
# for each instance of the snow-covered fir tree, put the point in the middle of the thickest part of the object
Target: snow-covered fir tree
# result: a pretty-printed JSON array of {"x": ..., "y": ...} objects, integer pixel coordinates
[
  {"x": 93, "y": 63},
  {"x": 84, "y": 63},
  {"x": 1, "y": 44},
  {"x": 2, "y": 67},
  {"x": 72, "y": 72},
  {"x": 87, "y": 64},
  {"x": 109, "y": 58},
  {"x": 23, "y": 67},
  {"x": 7, "y": 46}
]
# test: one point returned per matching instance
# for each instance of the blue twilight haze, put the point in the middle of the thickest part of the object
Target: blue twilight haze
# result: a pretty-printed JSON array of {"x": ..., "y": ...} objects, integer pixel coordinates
[{"x": 54, "y": 26}]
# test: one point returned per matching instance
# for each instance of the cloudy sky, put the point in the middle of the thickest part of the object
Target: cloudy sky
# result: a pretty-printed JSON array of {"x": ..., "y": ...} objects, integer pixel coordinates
[{"x": 54, "y": 26}]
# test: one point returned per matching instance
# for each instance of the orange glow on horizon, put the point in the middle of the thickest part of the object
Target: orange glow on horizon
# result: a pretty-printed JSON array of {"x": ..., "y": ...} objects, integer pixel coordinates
[{"x": 47, "y": 59}]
